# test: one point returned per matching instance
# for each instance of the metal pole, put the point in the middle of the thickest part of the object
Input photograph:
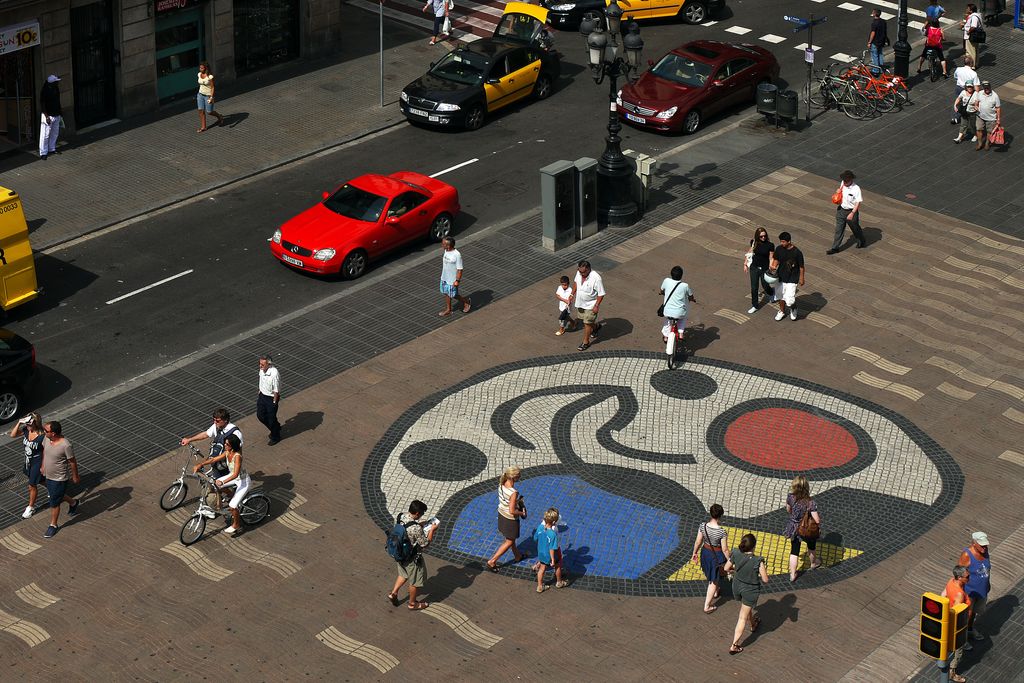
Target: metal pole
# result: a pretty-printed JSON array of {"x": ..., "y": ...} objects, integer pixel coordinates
[
  {"x": 901, "y": 48},
  {"x": 381, "y": 22},
  {"x": 943, "y": 665},
  {"x": 810, "y": 65}
]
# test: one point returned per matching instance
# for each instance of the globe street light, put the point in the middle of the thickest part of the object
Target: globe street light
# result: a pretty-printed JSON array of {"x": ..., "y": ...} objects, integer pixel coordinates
[{"x": 615, "y": 204}]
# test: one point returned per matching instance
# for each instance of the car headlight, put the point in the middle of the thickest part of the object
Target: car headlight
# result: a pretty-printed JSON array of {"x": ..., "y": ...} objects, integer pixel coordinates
[
  {"x": 403, "y": 97},
  {"x": 564, "y": 7},
  {"x": 668, "y": 113},
  {"x": 276, "y": 239},
  {"x": 324, "y": 254},
  {"x": 444, "y": 106}
]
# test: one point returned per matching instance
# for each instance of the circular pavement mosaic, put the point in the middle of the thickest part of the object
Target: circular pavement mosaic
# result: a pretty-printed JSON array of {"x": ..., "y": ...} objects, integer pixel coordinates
[{"x": 633, "y": 454}]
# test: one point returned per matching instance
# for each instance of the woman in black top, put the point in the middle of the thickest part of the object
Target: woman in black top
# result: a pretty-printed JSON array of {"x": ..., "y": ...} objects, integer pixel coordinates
[
  {"x": 755, "y": 263},
  {"x": 30, "y": 430}
]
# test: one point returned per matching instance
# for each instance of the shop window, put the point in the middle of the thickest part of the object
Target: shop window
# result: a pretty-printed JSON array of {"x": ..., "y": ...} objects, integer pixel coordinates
[{"x": 266, "y": 33}]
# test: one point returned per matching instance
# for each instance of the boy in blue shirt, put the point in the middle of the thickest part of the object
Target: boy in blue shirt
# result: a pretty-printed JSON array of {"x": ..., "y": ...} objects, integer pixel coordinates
[{"x": 548, "y": 552}]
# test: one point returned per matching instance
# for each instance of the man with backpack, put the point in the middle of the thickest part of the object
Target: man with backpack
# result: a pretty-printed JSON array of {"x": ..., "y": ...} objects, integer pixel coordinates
[{"x": 405, "y": 545}]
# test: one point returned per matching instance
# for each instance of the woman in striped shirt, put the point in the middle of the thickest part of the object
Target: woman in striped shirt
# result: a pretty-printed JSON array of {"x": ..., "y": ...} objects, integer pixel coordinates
[{"x": 709, "y": 550}]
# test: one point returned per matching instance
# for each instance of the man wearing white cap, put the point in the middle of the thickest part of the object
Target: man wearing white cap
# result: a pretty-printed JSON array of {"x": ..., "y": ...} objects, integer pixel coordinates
[
  {"x": 975, "y": 558},
  {"x": 49, "y": 129}
]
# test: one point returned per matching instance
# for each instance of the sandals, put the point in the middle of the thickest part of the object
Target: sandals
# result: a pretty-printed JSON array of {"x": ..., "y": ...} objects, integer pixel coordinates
[
  {"x": 583, "y": 347},
  {"x": 561, "y": 584},
  {"x": 200, "y": 130},
  {"x": 393, "y": 597},
  {"x": 956, "y": 678},
  {"x": 816, "y": 565},
  {"x": 444, "y": 314},
  {"x": 466, "y": 306},
  {"x": 541, "y": 589},
  {"x": 735, "y": 649},
  {"x": 709, "y": 610},
  {"x": 415, "y": 606},
  {"x": 491, "y": 567}
]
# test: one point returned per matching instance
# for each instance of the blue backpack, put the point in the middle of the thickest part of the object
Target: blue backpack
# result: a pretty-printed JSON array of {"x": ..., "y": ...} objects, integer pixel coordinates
[{"x": 399, "y": 546}]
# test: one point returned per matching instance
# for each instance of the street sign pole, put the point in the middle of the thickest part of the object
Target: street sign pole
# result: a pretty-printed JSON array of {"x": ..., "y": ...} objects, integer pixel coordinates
[
  {"x": 381, "y": 22},
  {"x": 810, "y": 65}
]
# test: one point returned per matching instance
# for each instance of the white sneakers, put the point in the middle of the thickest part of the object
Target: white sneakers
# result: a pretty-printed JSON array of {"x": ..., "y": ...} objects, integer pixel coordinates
[
  {"x": 207, "y": 512},
  {"x": 792, "y": 314},
  {"x": 753, "y": 309},
  {"x": 27, "y": 513},
  {"x": 230, "y": 530},
  {"x": 780, "y": 315}
]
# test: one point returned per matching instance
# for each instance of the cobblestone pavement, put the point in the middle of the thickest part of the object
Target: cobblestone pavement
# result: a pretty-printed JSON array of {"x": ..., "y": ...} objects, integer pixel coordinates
[{"x": 871, "y": 347}]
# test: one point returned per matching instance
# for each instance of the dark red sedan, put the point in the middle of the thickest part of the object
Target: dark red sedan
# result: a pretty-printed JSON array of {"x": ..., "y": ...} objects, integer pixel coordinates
[
  {"x": 694, "y": 82},
  {"x": 364, "y": 219}
]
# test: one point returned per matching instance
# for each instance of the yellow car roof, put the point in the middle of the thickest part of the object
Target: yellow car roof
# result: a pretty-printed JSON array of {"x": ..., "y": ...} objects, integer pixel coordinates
[{"x": 535, "y": 11}]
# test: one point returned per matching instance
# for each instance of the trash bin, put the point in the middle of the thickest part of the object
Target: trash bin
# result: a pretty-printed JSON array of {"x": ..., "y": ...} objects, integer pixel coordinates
[
  {"x": 787, "y": 105},
  {"x": 766, "y": 96}
]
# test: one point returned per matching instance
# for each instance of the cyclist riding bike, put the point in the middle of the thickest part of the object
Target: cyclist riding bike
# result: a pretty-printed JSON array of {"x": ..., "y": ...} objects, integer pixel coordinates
[
  {"x": 237, "y": 477},
  {"x": 678, "y": 296},
  {"x": 221, "y": 428},
  {"x": 933, "y": 44}
]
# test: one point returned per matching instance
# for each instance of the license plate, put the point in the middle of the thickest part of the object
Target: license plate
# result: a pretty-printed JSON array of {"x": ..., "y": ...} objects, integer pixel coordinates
[
  {"x": 293, "y": 261},
  {"x": 433, "y": 119},
  {"x": 638, "y": 119},
  {"x": 417, "y": 112}
]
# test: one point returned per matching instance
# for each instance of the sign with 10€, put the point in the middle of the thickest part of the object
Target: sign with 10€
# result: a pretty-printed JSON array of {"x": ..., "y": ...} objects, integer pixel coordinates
[{"x": 19, "y": 36}]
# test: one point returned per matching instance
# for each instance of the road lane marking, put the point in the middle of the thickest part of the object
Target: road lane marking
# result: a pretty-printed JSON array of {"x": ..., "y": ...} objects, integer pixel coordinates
[
  {"x": 297, "y": 522},
  {"x": 197, "y": 562},
  {"x": 36, "y": 596},
  {"x": 895, "y": 387},
  {"x": 454, "y": 168},
  {"x": 877, "y": 361},
  {"x": 843, "y": 57},
  {"x": 738, "y": 30},
  {"x": 380, "y": 659},
  {"x": 802, "y": 46},
  {"x": 243, "y": 549},
  {"x": 849, "y": 6},
  {"x": 155, "y": 284},
  {"x": 771, "y": 38},
  {"x": 734, "y": 316}
]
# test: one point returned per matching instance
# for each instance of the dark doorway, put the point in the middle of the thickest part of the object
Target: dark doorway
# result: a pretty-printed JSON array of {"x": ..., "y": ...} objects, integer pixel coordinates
[
  {"x": 92, "y": 58},
  {"x": 266, "y": 33}
]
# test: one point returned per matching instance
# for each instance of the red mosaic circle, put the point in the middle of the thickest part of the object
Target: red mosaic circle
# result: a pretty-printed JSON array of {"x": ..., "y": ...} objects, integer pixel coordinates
[{"x": 789, "y": 439}]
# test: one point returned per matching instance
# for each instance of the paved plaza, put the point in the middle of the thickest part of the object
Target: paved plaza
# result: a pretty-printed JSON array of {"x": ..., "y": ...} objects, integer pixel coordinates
[{"x": 875, "y": 379}]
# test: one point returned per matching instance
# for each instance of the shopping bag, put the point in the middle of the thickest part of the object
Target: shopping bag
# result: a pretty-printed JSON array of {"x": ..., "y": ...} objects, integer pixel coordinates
[
  {"x": 996, "y": 136},
  {"x": 447, "y": 27}
]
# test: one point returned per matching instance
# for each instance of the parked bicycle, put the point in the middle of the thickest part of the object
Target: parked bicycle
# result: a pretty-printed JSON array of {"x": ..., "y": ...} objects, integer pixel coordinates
[
  {"x": 253, "y": 508},
  {"x": 839, "y": 93}
]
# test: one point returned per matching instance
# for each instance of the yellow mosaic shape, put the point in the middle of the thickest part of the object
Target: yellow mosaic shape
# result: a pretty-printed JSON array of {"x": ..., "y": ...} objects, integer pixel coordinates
[{"x": 775, "y": 550}]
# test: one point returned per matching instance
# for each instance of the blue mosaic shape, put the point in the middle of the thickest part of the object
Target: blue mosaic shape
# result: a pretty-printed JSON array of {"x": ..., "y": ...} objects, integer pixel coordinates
[{"x": 601, "y": 534}]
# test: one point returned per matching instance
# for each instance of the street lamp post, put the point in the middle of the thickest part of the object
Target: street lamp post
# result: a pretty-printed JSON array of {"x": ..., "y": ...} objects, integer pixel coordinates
[
  {"x": 901, "y": 48},
  {"x": 615, "y": 204}
]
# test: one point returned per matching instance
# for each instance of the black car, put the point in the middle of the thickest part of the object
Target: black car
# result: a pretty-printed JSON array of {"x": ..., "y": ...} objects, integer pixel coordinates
[
  {"x": 566, "y": 14},
  {"x": 477, "y": 79},
  {"x": 17, "y": 373}
]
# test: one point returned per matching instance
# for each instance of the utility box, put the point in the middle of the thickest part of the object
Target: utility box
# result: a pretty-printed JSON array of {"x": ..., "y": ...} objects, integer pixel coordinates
[
  {"x": 643, "y": 166},
  {"x": 585, "y": 217},
  {"x": 558, "y": 208}
]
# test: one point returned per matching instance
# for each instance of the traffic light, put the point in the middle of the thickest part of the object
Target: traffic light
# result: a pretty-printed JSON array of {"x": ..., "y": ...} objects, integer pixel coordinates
[
  {"x": 958, "y": 618},
  {"x": 935, "y": 622}
]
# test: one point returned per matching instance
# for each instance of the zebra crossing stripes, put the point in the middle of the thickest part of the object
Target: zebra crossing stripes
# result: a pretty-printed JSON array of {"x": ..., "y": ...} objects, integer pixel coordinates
[
  {"x": 849, "y": 7},
  {"x": 738, "y": 30},
  {"x": 804, "y": 46},
  {"x": 771, "y": 38},
  {"x": 842, "y": 57}
]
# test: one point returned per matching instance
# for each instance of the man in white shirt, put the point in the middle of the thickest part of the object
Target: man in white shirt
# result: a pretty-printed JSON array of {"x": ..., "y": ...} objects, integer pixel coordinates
[
  {"x": 269, "y": 398},
  {"x": 848, "y": 212},
  {"x": 221, "y": 429},
  {"x": 962, "y": 74},
  {"x": 588, "y": 293},
  {"x": 451, "y": 277},
  {"x": 990, "y": 114},
  {"x": 971, "y": 23}
]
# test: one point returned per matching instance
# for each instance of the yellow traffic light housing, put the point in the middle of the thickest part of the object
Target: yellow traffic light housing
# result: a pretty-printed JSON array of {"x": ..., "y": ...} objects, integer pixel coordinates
[
  {"x": 935, "y": 626},
  {"x": 958, "y": 618}
]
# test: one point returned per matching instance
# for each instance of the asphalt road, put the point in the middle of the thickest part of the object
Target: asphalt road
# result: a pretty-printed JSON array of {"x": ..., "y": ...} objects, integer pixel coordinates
[{"x": 227, "y": 283}]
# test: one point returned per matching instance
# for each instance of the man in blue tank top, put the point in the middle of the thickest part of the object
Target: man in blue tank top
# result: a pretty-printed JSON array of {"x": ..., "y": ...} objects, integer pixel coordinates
[{"x": 975, "y": 558}]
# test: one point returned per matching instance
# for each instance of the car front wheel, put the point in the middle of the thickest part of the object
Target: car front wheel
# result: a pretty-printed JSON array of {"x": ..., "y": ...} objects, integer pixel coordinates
[
  {"x": 354, "y": 264},
  {"x": 692, "y": 122},
  {"x": 542, "y": 88},
  {"x": 441, "y": 227},
  {"x": 10, "y": 404},
  {"x": 475, "y": 117},
  {"x": 694, "y": 12}
]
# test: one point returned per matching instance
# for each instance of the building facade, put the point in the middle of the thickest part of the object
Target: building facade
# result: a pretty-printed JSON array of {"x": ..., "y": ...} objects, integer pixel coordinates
[{"x": 120, "y": 58}]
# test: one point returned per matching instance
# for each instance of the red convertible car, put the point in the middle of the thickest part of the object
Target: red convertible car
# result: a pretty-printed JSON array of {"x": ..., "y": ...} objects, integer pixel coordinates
[
  {"x": 694, "y": 82},
  {"x": 364, "y": 219}
]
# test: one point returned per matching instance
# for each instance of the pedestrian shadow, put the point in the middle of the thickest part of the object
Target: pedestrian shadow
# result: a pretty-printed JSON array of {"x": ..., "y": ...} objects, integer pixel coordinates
[
  {"x": 668, "y": 181},
  {"x": 575, "y": 560},
  {"x": 613, "y": 328},
  {"x": 699, "y": 337},
  {"x": 282, "y": 483},
  {"x": 773, "y": 614},
  {"x": 812, "y": 303},
  {"x": 872, "y": 235},
  {"x": 307, "y": 420},
  {"x": 998, "y": 612},
  {"x": 479, "y": 298},
  {"x": 98, "y": 501},
  {"x": 450, "y": 578},
  {"x": 232, "y": 120}
]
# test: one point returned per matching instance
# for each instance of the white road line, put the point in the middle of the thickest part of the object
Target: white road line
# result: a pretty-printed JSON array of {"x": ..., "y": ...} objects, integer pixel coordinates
[
  {"x": 771, "y": 38},
  {"x": 849, "y": 6},
  {"x": 712, "y": 23},
  {"x": 842, "y": 57},
  {"x": 155, "y": 284},
  {"x": 455, "y": 167},
  {"x": 910, "y": 11},
  {"x": 917, "y": 25},
  {"x": 802, "y": 46},
  {"x": 738, "y": 30},
  {"x": 886, "y": 16}
]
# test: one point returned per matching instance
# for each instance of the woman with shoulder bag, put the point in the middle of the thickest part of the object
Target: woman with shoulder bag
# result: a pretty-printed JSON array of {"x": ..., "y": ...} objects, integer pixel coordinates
[
  {"x": 749, "y": 573},
  {"x": 510, "y": 509},
  {"x": 755, "y": 264},
  {"x": 710, "y": 549},
  {"x": 804, "y": 524}
]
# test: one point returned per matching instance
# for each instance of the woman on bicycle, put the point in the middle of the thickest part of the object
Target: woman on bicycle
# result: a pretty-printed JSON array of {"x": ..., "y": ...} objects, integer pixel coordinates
[
  {"x": 236, "y": 477},
  {"x": 933, "y": 43},
  {"x": 676, "y": 304}
]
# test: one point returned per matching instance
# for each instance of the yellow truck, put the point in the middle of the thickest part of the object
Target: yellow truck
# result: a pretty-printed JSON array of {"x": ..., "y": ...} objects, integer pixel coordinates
[{"x": 17, "y": 264}]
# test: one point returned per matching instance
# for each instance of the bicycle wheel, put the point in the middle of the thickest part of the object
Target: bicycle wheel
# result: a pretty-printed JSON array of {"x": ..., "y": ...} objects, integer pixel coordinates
[
  {"x": 825, "y": 96},
  {"x": 886, "y": 99},
  {"x": 856, "y": 105},
  {"x": 670, "y": 349},
  {"x": 192, "y": 530},
  {"x": 254, "y": 509},
  {"x": 935, "y": 70},
  {"x": 174, "y": 495}
]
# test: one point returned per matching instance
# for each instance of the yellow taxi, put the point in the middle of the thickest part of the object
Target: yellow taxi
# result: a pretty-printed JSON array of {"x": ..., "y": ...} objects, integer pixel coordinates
[{"x": 17, "y": 264}]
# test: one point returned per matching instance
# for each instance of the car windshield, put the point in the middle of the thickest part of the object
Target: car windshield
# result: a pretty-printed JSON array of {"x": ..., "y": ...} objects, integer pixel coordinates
[
  {"x": 680, "y": 69},
  {"x": 461, "y": 66},
  {"x": 352, "y": 202}
]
